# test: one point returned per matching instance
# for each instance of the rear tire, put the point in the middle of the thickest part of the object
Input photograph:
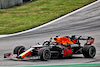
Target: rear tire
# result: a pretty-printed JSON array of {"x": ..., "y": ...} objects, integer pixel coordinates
[
  {"x": 89, "y": 51},
  {"x": 44, "y": 54},
  {"x": 18, "y": 50}
]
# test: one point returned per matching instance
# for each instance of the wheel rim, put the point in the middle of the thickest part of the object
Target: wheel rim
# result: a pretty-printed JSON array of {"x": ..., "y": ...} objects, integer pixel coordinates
[
  {"x": 21, "y": 50},
  {"x": 92, "y": 51},
  {"x": 46, "y": 55}
]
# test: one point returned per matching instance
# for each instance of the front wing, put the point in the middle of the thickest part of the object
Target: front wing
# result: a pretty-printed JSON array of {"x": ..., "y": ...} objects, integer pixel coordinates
[{"x": 14, "y": 57}]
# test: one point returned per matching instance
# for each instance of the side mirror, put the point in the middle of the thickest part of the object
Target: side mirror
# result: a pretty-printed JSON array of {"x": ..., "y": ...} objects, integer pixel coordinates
[
  {"x": 38, "y": 43},
  {"x": 50, "y": 39}
]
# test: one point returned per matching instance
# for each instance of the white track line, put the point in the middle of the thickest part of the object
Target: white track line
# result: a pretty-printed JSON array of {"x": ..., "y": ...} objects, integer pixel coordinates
[{"x": 1, "y": 36}]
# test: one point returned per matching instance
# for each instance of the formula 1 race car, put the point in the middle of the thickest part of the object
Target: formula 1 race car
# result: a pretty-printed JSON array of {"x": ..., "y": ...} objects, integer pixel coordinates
[{"x": 50, "y": 49}]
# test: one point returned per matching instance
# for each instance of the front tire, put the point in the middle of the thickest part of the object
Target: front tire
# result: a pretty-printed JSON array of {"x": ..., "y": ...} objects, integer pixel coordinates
[
  {"x": 18, "y": 50},
  {"x": 89, "y": 51}
]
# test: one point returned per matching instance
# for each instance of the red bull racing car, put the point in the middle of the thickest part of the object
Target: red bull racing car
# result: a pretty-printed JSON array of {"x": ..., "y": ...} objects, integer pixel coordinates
[{"x": 56, "y": 49}]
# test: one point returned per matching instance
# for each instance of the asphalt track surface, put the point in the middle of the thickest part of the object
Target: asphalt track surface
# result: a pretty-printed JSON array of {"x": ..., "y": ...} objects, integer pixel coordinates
[{"x": 85, "y": 22}]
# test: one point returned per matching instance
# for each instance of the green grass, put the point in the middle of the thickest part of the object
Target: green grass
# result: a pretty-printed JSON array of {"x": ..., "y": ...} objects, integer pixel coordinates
[{"x": 33, "y": 14}]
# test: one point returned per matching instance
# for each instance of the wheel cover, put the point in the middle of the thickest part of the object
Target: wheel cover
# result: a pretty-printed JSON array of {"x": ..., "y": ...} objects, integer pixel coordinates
[
  {"x": 21, "y": 50},
  {"x": 92, "y": 51},
  {"x": 46, "y": 55}
]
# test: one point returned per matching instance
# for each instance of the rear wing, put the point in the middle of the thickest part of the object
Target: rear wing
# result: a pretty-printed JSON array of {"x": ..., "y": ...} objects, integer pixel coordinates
[{"x": 89, "y": 39}]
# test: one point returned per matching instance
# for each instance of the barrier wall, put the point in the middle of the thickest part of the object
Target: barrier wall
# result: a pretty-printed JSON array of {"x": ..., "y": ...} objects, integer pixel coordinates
[{"x": 9, "y": 3}]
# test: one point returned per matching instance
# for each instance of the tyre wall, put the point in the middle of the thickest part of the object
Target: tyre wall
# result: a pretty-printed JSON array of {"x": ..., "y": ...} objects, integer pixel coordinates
[{"x": 9, "y": 3}]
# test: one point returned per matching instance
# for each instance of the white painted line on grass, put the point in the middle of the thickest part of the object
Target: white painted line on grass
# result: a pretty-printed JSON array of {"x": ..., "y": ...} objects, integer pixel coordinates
[{"x": 1, "y": 36}]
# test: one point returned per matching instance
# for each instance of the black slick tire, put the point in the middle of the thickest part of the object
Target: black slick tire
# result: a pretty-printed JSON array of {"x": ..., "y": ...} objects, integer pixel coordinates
[
  {"x": 18, "y": 50},
  {"x": 44, "y": 54},
  {"x": 89, "y": 51}
]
